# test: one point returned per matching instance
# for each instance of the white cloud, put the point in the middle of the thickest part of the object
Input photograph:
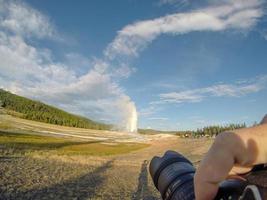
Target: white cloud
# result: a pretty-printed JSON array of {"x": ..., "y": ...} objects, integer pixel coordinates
[
  {"x": 23, "y": 20},
  {"x": 229, "y": 15},
  {"x": 227, "y": 90},
  {"x": 123, "y": 71},
  {"x": 32, "y": 71},
  {"x": 148, "y": 111},
  {"x": 29, "y": 71},
  {"x": 177, "y": 3},
  {"x": 24, "y": 62},
  {"x": 158, "y": 118},
  {"x": 95, "y": 92},
  {"x": 187, "y": 96}
]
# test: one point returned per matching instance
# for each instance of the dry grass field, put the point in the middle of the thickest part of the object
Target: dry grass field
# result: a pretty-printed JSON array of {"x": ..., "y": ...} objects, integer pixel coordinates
[{"x": 42, "y": 161}]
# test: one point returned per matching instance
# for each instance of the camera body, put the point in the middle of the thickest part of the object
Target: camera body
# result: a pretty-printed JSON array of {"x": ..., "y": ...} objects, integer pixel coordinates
[{"x": 173, "y": 176}]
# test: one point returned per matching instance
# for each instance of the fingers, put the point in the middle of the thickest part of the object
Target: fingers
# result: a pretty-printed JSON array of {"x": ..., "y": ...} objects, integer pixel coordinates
[
  {"x": 214, "y": 168},
  {"x": 264, "y": 120},
  {"x": 237, "y": 170},
  {"x": 244, "y": 147}
]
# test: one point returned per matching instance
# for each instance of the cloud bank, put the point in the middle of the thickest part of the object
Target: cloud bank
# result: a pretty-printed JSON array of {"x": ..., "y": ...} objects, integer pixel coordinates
[
  {"x": 32, "y": 71},
  {"x": 177, "y": 3},
  {"x": 237, "y": 14},
  {"x": 24, "y": 20},
  {"x": 220, "y": 90}
]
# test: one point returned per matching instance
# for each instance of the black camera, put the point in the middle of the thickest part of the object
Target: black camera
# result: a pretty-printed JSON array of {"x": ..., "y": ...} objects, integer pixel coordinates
[{"x": 173, "y": 176}]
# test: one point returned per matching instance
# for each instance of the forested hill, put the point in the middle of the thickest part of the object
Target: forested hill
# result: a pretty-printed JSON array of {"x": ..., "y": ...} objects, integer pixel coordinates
[{"x": 38, "y": 111}]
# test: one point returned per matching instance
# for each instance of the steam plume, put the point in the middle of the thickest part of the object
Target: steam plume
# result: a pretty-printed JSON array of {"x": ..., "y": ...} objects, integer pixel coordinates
[{"x": 131, "y": 125}]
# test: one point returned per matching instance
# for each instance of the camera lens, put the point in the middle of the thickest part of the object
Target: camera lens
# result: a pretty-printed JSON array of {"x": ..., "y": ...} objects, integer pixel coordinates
[{"x": 173, "y": 176}]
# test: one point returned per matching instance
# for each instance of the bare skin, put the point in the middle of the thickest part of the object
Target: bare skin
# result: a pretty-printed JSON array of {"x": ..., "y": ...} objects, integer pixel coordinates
[{"x": 231, "y": 155}]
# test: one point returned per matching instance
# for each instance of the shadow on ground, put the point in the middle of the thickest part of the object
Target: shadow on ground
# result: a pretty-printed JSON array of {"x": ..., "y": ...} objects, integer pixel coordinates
[
  {"x": 81, "y": 188},
  {"x": 143, "y": 191},
  {"x": 8, "y": 158}
]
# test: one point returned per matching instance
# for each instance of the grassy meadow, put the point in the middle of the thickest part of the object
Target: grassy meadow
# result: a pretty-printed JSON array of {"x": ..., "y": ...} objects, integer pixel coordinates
[
  {"x": 46, "y": 161},
  {"x": 20, "y": 143}
]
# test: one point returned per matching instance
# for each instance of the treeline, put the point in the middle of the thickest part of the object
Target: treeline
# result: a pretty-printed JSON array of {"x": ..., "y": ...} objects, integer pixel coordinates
[
  {"x": 38, "y": 111},
  {"x": 209, "y": 131}
]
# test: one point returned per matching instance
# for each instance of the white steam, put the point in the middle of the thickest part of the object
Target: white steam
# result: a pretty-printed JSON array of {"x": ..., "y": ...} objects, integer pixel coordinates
[
  {"x": 131, "y": 124},
  {"x": 127, "y": 113}
]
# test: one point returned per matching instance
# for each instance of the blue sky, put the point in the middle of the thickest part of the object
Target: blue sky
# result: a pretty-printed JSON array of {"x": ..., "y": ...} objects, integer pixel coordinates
[{"x": 180, "y": 64}]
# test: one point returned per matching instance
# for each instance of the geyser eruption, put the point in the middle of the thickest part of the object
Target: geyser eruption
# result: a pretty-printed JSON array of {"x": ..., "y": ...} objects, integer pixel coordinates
[
  {"x": 131, "y": 124},
  {"x": 128, "y": 114}
]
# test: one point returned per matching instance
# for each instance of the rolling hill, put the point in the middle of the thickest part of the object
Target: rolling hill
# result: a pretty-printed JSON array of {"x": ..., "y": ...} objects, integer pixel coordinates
[{"x": 34, "y": 110}]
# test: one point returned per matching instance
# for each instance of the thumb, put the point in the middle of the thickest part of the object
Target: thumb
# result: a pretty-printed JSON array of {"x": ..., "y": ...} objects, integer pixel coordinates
[{"x": 264, "y": 120}]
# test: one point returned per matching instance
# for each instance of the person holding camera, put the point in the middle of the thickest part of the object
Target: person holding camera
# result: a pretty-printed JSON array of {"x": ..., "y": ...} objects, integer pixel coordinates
[
  {"x": 222, "y": 173},
  {"x": 231, "y": 155}
]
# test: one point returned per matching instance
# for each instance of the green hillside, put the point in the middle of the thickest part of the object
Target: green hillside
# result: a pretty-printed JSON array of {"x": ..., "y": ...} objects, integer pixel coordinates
[{"x": 34, "y": 110}]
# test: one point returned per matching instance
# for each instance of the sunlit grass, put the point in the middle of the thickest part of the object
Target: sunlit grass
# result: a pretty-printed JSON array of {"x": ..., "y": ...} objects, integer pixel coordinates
[
  {"x": 19, "y": 143},
  {"x": 98, "y": 149},
  {"x": 5, "y": 125}
]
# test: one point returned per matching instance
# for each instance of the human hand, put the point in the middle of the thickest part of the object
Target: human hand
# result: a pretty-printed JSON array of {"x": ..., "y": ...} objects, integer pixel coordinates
[{"x": 232, "y": 154}]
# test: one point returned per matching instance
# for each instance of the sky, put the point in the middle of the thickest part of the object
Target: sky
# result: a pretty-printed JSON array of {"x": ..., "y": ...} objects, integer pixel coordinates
[{"x": 181, "y": 64}]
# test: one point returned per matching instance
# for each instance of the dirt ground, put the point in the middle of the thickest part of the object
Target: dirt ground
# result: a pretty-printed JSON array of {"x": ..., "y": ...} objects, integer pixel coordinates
[
  {"x": 85, "y": 177},
  {"x": 47, "y": 175},
  {"x": 79, "y": 177}
]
